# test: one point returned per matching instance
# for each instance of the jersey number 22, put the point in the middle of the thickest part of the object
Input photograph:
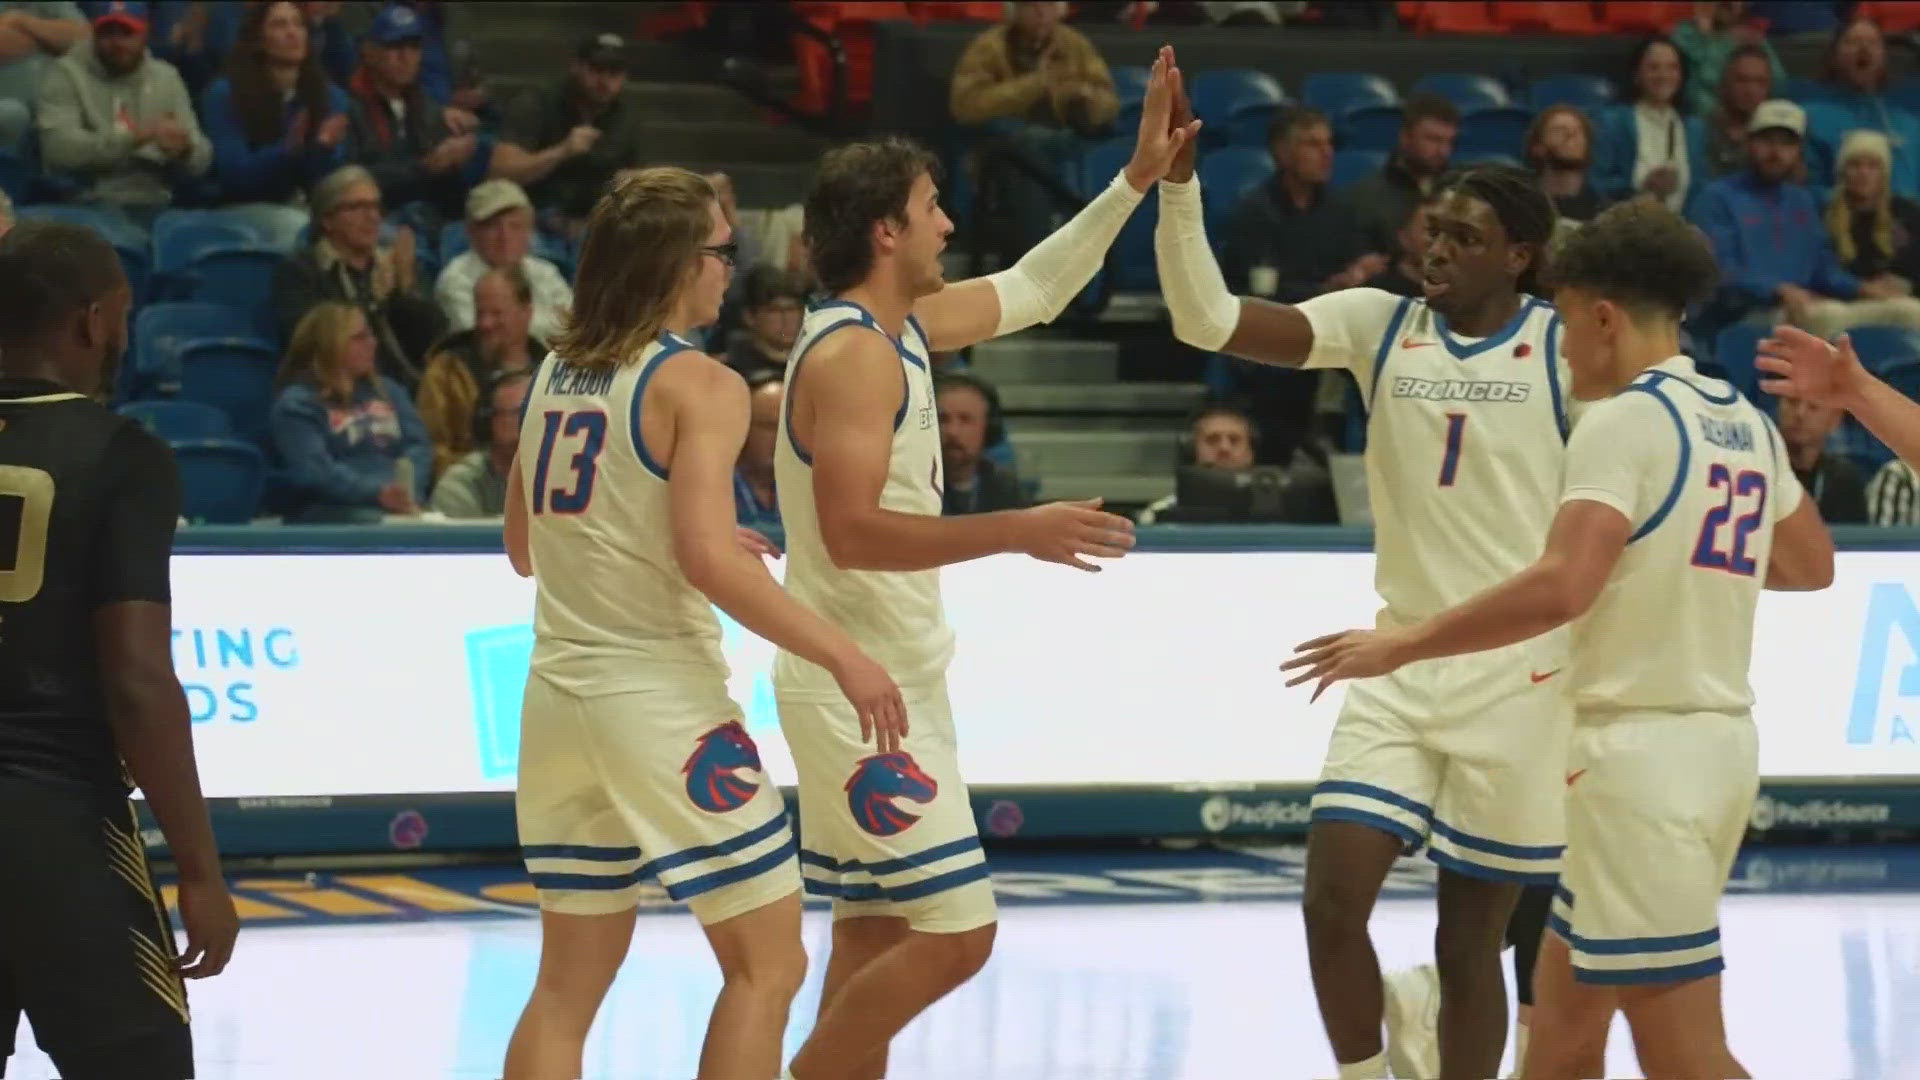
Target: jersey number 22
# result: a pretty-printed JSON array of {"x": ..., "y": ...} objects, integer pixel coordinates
[
  {"x": 1710, "y": 551},
  {"x": 571, "y": 494}
]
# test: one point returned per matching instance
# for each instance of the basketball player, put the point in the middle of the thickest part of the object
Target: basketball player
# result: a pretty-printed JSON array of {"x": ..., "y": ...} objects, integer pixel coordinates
[
  {"x": 633, "y": 760},
  {"x": 1679, "y": 506},
  {"x": 891, "y": 836},
  {"x": 1466, "y": 432},
  {"x": 88, "y": 695}
]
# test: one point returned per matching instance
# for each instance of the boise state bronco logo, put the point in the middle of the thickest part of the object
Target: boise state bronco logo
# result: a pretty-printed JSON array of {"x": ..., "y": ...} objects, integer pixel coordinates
[
  {"x": 713, "y": 782},
  {"x": 880, "y": 779}
]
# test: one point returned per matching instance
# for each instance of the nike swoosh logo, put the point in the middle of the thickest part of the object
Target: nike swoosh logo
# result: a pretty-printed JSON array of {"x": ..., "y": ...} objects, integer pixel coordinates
[
  {"x": 1409, "y": 343},
  {"x": 1575, "y": 775},
  {"x": 1539, "y": 678}
]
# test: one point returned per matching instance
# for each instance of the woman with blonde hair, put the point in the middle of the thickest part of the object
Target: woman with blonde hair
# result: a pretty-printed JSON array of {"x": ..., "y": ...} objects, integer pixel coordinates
[
  {"x": 1873, "y": 229},
  {"x": 351, "y": 442}
]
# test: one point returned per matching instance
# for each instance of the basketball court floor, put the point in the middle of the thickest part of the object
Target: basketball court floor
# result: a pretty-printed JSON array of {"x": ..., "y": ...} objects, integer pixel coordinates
[{"x": 1148, "y": 964}]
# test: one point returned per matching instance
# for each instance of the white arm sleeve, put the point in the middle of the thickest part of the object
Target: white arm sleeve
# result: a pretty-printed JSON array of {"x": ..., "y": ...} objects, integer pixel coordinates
[
  {"x": 1204, "y": 312},
  {"x": 1047, "y": 278}
]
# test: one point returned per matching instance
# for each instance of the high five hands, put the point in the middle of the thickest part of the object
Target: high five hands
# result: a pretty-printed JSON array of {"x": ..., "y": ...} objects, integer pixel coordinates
[{"x": 1160, "y": 139}]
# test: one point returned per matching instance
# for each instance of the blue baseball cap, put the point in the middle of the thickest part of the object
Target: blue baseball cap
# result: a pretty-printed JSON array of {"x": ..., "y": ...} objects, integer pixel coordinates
[
  {"x": 127, "y": 16},
  {"x": 396, "y": 23}
]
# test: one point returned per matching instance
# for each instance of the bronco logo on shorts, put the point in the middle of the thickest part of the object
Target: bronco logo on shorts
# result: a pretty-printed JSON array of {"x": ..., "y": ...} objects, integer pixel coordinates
[
  {"x": 880, "y": 779},
  {"x": 713, "y": 782}
]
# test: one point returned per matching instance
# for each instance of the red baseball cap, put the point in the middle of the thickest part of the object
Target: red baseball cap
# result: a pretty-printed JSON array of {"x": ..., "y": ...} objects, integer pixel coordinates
[{"x": 129, "y": 16}]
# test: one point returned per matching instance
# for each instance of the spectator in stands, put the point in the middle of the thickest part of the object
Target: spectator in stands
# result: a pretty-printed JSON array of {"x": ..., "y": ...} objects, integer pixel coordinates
[
  {"x": 773, "y": 302},
  {"x": 424, "y": 156},
  {"x": 436, "y": 58},
  {"x": 332, "y": 41},
  {"x": 1855, "y": 100},
  {"x": 578, "y": 131},
  {"x": 1873, "y": 229},
  {"x": 32, "y": 35},
  {"x": 121, "y": 120},
  {"x": 1648, "y": 146},
  {"x": 345, "y": 262},
  {"x": 1893, "y": 496},
  {"x": 970, "y": 419},
  {"x": 1402, "y": 277},
  {"x": 1835, "y": 484},
  {"x": 1559, "y": 147},
  {"x": 476, "y": 485},
  {"x": 1288, "y": 239},
  {"x": 1745, "y": 82},
  {"x": 1382, "y": 202},
  {"x": 1717, "y": 32},
  {"x": 754, "y": 503},
  {"x": 1798, "y": 19},
  {"x": 500, "y": 235},
  {"x": 278, "y": 126},
  {"x": 349, "y": 438},
  {"x": 1043, "y": 87},
  {"x": 467, "y": 360},
  {"x": 1220, "y": 436},
  {"x": 1775, "y": 258}
]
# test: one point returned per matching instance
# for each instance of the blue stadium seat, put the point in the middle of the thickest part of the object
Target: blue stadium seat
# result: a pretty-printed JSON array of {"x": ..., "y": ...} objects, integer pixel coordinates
[
  {"x": 1501, "y": 130},
  {"x": 1589, "y": 93},
  {"x": 1337, "y": 92},
  {"x": 1469, "y": 92},
  {"x": 1131, "y": 259},
  {"x": 237, "y": 275},
  {"x": 1235, "y": 107},
  {"x": 160, "y": 331},
  {"x": 1883, "y": 347},
  {"x": 220, "y": 480},
  {"x": 234, "y": 377},
  {"x": 1734, "y": 349},
  {"x": 1370, "y": 127},
  {"x": 176, "y": 420},
  {"x": 180, "y": 235},
  {"x": 1351, "y": 165},
  {"x": 1226, "y": 175},
  {"x": 1130, "y": 85},
  {"x": 1462, "y": 161},
  {"x": 1905, "y": 93}
]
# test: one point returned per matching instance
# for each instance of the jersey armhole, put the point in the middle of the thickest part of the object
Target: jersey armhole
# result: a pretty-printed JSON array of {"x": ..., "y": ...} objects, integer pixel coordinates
[
  {"x": 1385, "y": 349},
  {"x": 793, "y": 380},
  {"x": 672, "y": 345},
  {"x": 1651, "y": 389}
]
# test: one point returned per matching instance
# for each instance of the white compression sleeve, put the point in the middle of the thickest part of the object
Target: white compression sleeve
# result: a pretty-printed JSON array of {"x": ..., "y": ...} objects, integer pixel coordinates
[
  {"x": 1046, "y": 279},
  {"x": 1204, "y": 312}
]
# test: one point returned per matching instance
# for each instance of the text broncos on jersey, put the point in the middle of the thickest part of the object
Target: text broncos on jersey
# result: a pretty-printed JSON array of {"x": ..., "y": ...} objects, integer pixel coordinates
[{"x": 1406, "y": 386}]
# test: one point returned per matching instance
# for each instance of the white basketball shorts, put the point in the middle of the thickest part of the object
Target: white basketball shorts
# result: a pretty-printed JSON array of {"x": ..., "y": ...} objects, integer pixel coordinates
[
  {"x": 1657, "y": 804},
  {"x": 662, "y": 784},
  {"x": 888, "y": 834}
]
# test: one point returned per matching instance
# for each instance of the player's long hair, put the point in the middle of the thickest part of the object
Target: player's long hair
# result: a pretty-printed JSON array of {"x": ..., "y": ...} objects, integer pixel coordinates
[
  {"x": 1516, "y": 198},
  {"x": 313, "y": 354},
  {"x": 642, "y": 248}
]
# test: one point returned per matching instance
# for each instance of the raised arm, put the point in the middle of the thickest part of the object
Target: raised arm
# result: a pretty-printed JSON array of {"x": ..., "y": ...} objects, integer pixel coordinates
[
  {"x": 708, "y": 402},
  {"x": 1806, "y": 367},
  {"x": 845, "y": 400},
  {"x": 1047, "y": 278}
]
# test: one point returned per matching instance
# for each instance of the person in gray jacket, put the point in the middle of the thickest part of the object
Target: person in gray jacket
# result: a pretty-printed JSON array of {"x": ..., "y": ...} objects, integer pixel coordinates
[{"x": 120, "y": 119}]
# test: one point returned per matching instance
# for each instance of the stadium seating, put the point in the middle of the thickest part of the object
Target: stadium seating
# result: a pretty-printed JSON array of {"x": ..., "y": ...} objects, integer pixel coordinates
[
  {"x": 1338, "y": 92},
  {"x": 1130, "y": 86},
  {"x": 1352, "y": 165},
  {"x": 1644, "y": 16},
  {"x": 1370, "y": 127},
  {"x": 1734, "y": 349},
  {"x": 130, "y": 246},
  {"x": 161, "y": 331},
  {"x": 1226, "y": 175},
  {"x": 177, "y": 420},
  {"x": 1882, "y": 348},
  {"x": 1550, "y": 17},
  {"x": 1588, "y": 92},
  {"x": 1450, "y": 17},
  {"x": 239, "y": 275},
  {"x": 16, "y": 175},
  {"x": 1500, "y": 130},
  {"x": 181, "y": 235},
  {"x": 235, "y": 377},
  {"x": 1235, "y": 107},
  {"x": 221, "y": 480},
  {"x": 1892, "y": 16},
  {"x": 1462, "y": 160},
  {"x": 1131, "y": 262},
  {"x": 1467, "y": 92}
]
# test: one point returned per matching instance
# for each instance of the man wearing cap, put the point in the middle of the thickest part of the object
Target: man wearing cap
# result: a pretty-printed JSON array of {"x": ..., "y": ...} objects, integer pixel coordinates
[
  {"x": 121, "y": 120},
  {"x": 1776, "y": 259},
  {"x": 420, "y": 152},
  {"x": 500, "y": 235},
  {"x": 584, "y": 110},
  {"x": 32, "y": 36}
]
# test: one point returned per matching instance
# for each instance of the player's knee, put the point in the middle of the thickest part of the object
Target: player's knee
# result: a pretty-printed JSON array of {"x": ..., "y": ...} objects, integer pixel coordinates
[
  {"x": 775, "y": 969},
  {"x": 1463, "y": 944},
  {"x": 1334, "y": 910},
  {"x": 958, "y": 957}
]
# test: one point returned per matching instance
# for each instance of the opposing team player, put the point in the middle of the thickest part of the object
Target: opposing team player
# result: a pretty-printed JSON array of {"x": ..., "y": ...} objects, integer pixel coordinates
[
  {"x": 891, "y": 836},
  {"x": 633, "y": 760},
  {"x": 1679, "y": 506},
  {"x": 88, "y": 695},
  {"x": 1465, "y": 437}
]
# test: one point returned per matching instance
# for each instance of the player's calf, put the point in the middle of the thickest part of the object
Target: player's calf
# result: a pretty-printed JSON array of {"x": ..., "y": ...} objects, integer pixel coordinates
[
  {"x": 1678, "y": 1030},
  {"x": 881, "y": 998},
  {"x": 1473, "y": 990},
  {"x": 1346, "y": 863},
  {"x": 1568, "y": 1040}
]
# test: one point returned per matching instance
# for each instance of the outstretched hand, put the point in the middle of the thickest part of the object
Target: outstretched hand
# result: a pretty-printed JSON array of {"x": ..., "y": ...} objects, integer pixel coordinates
[
  {"x": 1810, "y": 369},
  {"x": 1160, "y": 140},
  {"x": 1350, "y": 654}
]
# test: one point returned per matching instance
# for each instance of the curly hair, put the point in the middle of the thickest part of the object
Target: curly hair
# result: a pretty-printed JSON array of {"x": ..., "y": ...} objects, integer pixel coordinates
[
  {"x": 857, "y": 185},
  {"x": 1517, "y": 200},
  {"x": 1640, "y": 255}
]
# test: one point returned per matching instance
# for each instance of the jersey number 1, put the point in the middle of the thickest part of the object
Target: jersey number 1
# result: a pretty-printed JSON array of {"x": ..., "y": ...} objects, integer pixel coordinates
[
  {"x": 1456, "y": 433},
  {"x": 577, "y": 492},
  {"x": 26, "y": 506},
  {"x": 1707, "y": 551}
]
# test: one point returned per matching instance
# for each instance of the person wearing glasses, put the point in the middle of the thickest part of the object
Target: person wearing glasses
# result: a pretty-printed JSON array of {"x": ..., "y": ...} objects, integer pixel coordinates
[{"x": 500, "y": 232}]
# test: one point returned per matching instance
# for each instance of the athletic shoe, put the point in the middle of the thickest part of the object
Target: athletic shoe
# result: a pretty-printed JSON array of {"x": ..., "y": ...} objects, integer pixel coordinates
[{"x": 1413, "y": 1022}]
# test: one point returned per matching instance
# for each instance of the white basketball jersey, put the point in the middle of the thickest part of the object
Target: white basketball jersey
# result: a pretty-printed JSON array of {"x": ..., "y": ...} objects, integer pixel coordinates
[
  {"x": 1465, "y": 441},
  {"x": 611, "y": 599},
  {"x": 1701, "y": 474},
  {"x": 894, "y": 616}
]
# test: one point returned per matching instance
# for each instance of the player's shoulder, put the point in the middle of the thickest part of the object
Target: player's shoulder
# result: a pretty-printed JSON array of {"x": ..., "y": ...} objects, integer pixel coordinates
[
  {"x": 689, "y": 372},
  {"x": 1642, "y": 402}
]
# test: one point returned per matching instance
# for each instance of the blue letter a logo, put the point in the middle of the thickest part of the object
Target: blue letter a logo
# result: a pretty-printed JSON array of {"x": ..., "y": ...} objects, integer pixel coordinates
[{"x": 1890, "y": 610}]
